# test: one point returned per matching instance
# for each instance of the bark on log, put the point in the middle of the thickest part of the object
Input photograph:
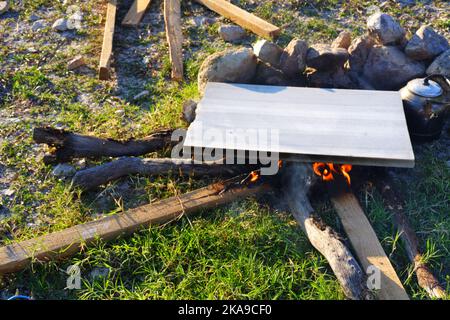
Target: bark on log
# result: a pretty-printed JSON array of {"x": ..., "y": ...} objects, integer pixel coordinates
[
  {"x": 65, "y": 243},
  {"x": 323, "y": 238},
  {"x": 93, "y": 177},
  {"x": 70, "y": 145},
  {"x": 425, "y": 277}
]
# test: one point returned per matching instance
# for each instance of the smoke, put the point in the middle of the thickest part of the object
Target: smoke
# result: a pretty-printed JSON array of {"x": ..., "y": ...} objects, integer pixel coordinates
[{"x": 298, "y": 177}]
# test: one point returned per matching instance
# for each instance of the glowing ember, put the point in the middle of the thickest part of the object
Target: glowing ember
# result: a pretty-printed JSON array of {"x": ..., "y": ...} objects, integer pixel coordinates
[{"x": 327, "y": 170}]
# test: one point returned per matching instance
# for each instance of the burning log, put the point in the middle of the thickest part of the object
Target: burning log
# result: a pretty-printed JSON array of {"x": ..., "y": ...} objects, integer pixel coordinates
[
  {"x": 65, "y": 243},
  {"x": 70, "y": 145},
  {"x": 425, "y": 277},
  {"x": 322, "y": 237},
  {"x": 93, "y": 177}
]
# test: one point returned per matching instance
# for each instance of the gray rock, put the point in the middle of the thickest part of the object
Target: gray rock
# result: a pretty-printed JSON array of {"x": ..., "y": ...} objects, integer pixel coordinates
[
  {"x": 385, "y": 29},
  {"x": 201, "y": 21},
  {"x": 293, "y": 58},
  {"x": 343, "y": 40},
  {"x": 406, "y": 3},
  {"x": 4, "y": 6},
  {"x": 4, "y": 212},
  {"x": 60, "y": 25},
  {"x": 8, "y": 192},
  {"x": 63, "y": 170},
  {"x": 388, "y": 68},
  {"x": 74, "y": 21},
  {"x": 235, "y": 65},
  {"x": 76, "y": 62},
  {"x": 268, "y": 52},
  {"x": 331, "y": 79},
  {"x": 324, "y": 58},
  {"x": 441, "y": 65},
  {"x": 189, "y": 108},
  {"x": 39, "y": 25},
  {"x": 359, "y": 81},
  {"x": 120, "y": 112},
  {"x": 232, "y": 33},
  {"x": 34, "y": 17},
  {"x": 359, "y": 51},
  {"x": 8, "y": 176},
  {"x": 426, "y": 44},
  {"x": 268, "y": 75}
]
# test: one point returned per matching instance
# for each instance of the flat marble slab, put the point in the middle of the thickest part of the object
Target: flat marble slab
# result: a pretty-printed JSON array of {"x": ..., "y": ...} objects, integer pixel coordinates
[{"x": 362, "y": 127}]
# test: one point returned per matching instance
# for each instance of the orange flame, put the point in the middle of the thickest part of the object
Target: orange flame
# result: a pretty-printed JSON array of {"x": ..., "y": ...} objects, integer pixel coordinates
[
  {"x": 254, "y": 176},
  {"x": 326, "y": 170},
  {"x": 345, "y": 169}
]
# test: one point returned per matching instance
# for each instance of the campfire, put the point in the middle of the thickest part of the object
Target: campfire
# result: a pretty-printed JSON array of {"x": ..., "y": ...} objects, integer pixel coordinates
[
  {"x": 328, "y": 170},
  {"x": 325, "y": 136}
]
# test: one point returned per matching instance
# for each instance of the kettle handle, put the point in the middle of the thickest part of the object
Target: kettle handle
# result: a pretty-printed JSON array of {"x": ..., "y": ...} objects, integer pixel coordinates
[{"x": 439, "y": 78}]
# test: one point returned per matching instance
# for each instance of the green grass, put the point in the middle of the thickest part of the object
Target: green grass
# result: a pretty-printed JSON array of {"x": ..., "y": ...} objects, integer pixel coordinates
[{"x": 242, "y": 251}]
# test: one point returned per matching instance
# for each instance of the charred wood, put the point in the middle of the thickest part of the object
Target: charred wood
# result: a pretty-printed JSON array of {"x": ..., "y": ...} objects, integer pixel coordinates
[{"x": 68, "y": 145}]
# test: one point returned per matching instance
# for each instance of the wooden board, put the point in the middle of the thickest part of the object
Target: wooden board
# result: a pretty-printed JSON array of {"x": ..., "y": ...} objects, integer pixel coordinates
[
  {"x": 136, "y": 12},
  {"x": 352, "y": 126},
  {"x": 172, "y": 19},
  {"x": 367, "y": 247},
  {"x": 242, "y": 17},
  {"x": 108, "y": 36},
  {"x": 65, "y": 243}
]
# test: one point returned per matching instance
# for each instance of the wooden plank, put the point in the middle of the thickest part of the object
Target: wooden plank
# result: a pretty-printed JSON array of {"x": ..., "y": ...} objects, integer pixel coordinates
[
  {"x": 354, "y": 126},
  {"x": 107, "y": 46},
  {"x": 65, "y": 243},
  {"x": 136, "y": 12},
  {"x": 242, "y": 18},
  {"x": 366, "y": 245},
  {"x": 174, "y": 35}
]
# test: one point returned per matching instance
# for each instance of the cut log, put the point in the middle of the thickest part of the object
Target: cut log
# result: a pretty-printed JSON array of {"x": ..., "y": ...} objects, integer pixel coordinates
[
  {"x": 67, "y": 242},
  {"x": 172, "y": 19},
  {"x": 70, "y": 145},
  {"x": 395, "y": 205},
  {"x": 136, "y": 12},
  {"x": 322, "y": 237},
  {"x": 102, "y": 174},
  {"x": 366, "y": 245},
  {"x": 108, "y": 36},
  {"x": 242, "y": 18}
]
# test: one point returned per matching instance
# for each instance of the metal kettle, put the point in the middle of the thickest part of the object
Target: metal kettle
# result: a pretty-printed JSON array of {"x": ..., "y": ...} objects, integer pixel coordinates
[{"x": 426, "y": 102}]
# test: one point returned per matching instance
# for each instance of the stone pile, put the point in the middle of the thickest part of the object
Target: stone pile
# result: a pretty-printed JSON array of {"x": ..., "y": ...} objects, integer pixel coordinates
[{"x": 382, "y": 59}]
